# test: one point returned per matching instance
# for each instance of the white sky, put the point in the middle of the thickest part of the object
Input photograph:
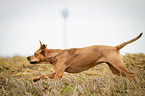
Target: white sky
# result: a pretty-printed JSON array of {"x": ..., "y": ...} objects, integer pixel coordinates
[{"x": 90, "y": 22}]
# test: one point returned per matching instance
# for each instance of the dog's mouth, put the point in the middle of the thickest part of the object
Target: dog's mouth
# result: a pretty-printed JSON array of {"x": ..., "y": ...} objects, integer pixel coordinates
[{"x": 33, "y": 62}]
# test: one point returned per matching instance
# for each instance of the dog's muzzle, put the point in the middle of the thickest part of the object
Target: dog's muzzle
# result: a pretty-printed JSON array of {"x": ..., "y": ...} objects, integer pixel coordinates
[{"x": 31, "y": 62}]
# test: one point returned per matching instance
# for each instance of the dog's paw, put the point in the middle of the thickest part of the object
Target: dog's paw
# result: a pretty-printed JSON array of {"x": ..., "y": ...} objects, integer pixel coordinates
[{"x": 35, "y": 79}]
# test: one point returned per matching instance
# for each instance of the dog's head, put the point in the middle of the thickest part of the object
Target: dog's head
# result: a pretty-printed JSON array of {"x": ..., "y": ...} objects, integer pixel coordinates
[{"x": 43, "y": 54}]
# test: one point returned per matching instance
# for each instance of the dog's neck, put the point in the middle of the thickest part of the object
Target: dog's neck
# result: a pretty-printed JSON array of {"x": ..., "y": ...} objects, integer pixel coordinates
[{"x": 52, "y": 54}]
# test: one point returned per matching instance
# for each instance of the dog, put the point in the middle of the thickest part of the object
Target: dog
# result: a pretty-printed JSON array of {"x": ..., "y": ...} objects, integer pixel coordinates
[{"x": 76, "y": 60}]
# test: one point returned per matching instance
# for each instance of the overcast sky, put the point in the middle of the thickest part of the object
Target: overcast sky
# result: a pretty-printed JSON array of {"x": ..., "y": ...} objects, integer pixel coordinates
[{"x": 90, "y": 22}]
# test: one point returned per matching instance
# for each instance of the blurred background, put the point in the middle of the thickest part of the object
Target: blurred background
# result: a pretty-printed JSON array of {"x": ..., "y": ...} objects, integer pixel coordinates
[{"x": 65, "y": 24}]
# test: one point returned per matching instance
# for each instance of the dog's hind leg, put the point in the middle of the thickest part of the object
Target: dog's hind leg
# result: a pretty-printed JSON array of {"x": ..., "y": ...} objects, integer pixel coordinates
[
  {"x": 124, "y": 73},
  {"x": 117, "y": 66}
]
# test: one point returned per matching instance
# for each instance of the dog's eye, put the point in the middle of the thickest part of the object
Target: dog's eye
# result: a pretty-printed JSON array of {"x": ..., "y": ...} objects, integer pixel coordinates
[{"x": 35, "y": 54}]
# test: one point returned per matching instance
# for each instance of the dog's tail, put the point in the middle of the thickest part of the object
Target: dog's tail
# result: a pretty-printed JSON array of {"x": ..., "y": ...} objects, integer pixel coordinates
[{"x": 130, "y": 41}]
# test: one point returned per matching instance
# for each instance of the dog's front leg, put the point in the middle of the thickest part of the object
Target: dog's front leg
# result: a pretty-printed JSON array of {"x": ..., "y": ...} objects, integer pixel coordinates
[
  {"x": 61, "y": 64},
  {"x": 59, "y": 73},
  {"x": 51, "y": 76}
]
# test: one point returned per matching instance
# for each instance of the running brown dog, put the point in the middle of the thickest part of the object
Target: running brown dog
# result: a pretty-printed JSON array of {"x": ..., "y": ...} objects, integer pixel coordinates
[{"x": 76, "y": 60}]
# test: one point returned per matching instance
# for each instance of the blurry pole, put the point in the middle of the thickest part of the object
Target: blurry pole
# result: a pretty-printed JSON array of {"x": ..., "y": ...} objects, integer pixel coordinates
[{"x": 65, "y": 39}]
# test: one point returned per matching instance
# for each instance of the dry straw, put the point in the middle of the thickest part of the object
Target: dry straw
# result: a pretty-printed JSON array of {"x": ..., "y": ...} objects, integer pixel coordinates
[{"x": 16, "y": 74}]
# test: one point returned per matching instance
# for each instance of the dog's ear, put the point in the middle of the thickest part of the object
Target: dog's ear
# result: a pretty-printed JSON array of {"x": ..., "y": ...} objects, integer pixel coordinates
[
  {"x": 42, "y": 46},
  {"x": 40, "y": 43},
  {"x": 45, "y": 45}
]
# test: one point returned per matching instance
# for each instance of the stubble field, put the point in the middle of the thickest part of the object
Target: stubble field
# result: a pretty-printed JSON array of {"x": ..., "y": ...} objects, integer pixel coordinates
[{"x": 16, "y": 74}]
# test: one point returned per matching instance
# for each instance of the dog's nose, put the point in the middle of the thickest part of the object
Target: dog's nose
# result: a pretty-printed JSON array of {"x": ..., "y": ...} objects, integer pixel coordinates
[{"x": 28, "y": 58}]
